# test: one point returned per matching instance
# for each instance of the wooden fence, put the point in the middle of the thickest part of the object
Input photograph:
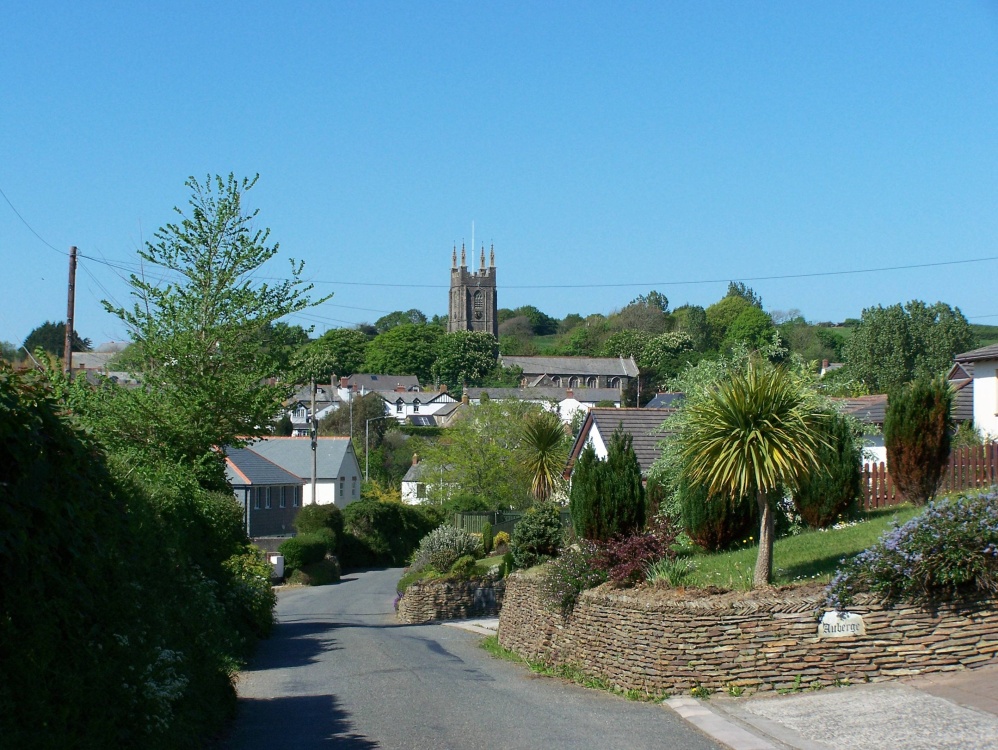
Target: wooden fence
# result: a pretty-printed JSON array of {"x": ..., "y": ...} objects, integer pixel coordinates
[
  {"x": 969, "y": 468},
  {"x": 501, "y": 520}
]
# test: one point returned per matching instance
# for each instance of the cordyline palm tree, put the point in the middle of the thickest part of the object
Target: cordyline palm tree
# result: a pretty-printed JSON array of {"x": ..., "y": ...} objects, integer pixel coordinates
[
  {"x": 544, "y": 443},
  {"x": 752, "y": 433}
]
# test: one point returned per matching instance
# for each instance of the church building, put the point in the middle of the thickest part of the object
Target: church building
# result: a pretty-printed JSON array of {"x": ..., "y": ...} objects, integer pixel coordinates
[{"x": 473, "y": 305}]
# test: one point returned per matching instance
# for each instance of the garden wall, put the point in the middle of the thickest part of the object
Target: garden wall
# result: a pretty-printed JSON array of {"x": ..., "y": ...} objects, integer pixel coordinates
[
  {"x": 663, "y": 641},
  {"x": 450, "y": 600}
]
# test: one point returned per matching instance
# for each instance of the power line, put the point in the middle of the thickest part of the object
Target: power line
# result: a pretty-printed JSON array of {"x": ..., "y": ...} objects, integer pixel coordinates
[{"x": 30, "y": 228}]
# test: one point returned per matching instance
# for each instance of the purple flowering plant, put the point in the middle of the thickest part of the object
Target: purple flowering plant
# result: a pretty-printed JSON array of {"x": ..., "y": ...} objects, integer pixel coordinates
[
  {"x": 574, "y": 570},
  {"x": 948, "y": 552}
]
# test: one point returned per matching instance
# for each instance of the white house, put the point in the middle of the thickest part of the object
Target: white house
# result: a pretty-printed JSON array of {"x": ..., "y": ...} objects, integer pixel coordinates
[
  {"x": 403, "y": 404},
  {"x": 645, "y": 426},
  {"x": 338, "y": 473},
  {"x": 981, "y": 367}
]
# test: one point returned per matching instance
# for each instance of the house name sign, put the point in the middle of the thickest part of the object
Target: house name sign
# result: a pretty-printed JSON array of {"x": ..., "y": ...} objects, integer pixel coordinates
[{"x": 840, "y": 625}]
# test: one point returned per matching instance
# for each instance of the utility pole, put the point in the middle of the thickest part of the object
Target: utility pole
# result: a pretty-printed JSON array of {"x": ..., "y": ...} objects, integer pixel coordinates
[
  {"x": 315, "y": 437},
  {"x": 70, "y": 307}
]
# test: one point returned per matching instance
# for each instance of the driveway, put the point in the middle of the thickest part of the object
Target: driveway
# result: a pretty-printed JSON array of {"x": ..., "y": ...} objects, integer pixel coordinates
[{"x": 341, "y": 672}]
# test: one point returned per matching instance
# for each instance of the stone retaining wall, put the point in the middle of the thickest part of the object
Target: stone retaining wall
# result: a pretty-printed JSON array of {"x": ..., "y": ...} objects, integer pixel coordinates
[
  {"x": 449, "y": 600},
  {"x": 661, "y": 641}
]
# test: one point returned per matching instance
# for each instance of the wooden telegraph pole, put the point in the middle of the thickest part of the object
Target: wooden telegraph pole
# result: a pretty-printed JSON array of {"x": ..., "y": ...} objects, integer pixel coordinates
[{"x": 70, "y": 307}]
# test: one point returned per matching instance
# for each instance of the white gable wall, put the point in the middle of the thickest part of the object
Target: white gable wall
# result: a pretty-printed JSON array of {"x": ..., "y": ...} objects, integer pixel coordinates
[{"x": 986, "y": 397}]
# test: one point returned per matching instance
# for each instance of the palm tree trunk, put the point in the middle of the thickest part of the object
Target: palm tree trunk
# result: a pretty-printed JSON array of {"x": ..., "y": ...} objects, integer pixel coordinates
[{"x": 764, "y": 562}]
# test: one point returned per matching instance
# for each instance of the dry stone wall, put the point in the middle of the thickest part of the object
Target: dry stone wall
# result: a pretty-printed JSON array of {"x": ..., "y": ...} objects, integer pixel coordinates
[
  {"x": 667, "y": 642},
  {"x": 450, "y": 600}
]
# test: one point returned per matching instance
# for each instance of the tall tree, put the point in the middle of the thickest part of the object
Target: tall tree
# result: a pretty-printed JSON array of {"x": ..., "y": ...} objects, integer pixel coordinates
[
  {"x": 465, "y": 357},
  {"x": 51, "y": 337},
  {"x": 406, "y": 349},
  {"x": 398, "y": 318},
  {"x": 199, "y": 343},
  {"x": 607, "y": 497},
  {"x": 751, "y": 433},
  {"x": 894, "y": 345},
  {"x": 917, "y": 436},
  {"x": 342, "y": 351}
]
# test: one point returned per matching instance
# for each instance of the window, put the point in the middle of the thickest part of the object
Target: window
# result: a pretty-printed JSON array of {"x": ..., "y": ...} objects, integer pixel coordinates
[
  {"x": 556, "y": 381},
  {"x": 353, "y": 487},
  {"x": 399, "y": 405},
  {"x": 614, "y": 383},
  {"x": 284, "y": 497},
  {"x": 420, "y": 490},
  {"x": 343, "y": 481},
  {"x": 269, "y": 492},
  {"x": 297, "y": 494},
  {"x": 478, "y": 303},
  {"x": 256, "y": 497},
  {"x": 415, "y": 406},
  {"x": 573, "y": 382},
  {"x": 591, "y": 382}
]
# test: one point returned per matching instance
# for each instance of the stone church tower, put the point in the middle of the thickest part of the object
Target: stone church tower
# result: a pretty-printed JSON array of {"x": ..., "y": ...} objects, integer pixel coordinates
[{"x": 473, "y": 305}]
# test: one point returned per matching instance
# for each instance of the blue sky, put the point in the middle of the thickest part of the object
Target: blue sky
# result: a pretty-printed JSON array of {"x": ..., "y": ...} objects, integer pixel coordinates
[{"x": 606, "y": 149}]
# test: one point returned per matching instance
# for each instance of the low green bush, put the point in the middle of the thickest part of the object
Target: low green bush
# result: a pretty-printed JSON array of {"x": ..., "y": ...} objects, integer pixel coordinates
[
  {"x": 383, "y": 533},
  {"x": 463, "y": 568},
  {"x": 303, "y": 550},
  {"x": 441, "y": 547},
  {"x": 537, "y": 536},
  {"x": 715, "y": 523},
  {"x": 315, "y": 518},
  {"x": 320, "y": 573},
  {"x": 574, "y": 570},
  {"x": 948, "y": 552}
]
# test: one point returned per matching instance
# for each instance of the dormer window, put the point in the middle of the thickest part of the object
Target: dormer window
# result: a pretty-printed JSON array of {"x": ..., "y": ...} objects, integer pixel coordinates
[
  {"x": 415, "y": 406},
  {"x": 399, "y": 406}
]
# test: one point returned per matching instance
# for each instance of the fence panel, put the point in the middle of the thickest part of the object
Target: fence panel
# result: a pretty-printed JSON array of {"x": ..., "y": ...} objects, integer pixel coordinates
[{"x": 969, "y": 467}]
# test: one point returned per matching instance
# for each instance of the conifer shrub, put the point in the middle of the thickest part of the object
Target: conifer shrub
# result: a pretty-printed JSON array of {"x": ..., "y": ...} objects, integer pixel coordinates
[
  {"x": 607, "y": 498},
  {"x": 832, "y": 490},
  {"x": 917, "y": 436},
  {"x": 715, "y": 523},
  {"x": 537, "y": 536},
  {"x": 487, "y": 539}
]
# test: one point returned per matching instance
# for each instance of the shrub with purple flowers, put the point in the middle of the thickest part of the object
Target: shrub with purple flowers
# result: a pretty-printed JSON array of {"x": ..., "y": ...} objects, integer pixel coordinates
[
  {"x": 948, "y": 552},
  {"x": 572, "y": 572}
]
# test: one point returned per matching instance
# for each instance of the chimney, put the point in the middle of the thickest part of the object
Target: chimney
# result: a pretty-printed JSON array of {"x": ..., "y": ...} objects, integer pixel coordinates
[
  {"x": 824, "y": 365},
  {"x": 344, "y": 382},
  {"x": 400, "y": 388},
  {"x": 443, "y": 388},
  {"x": 570, "y": 393},
  {"x": 415, "y": 459},
  {"x": 465, "y": 400}
]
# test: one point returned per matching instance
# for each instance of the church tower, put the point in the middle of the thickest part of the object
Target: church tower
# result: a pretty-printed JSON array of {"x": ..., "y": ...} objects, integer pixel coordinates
[{"x": 473, "y": 305}]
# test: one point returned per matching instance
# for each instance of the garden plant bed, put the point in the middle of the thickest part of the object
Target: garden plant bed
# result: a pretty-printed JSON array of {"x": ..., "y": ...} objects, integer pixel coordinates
[{"x": 660, "y": 640}]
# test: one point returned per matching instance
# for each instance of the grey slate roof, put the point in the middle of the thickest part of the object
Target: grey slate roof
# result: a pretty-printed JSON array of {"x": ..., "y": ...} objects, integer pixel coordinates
[
  {"x": 378, "y": 382},
  {"x": 867, "y": 409},
  {"x": 244, "y": 466},
  {"x": 663, "y": 400},
  {"x": 294, "y": 454},
  {"x": 643, "y": 425},
  {"x": 92, "y": 360},
  {"x": 607, "y": 366},
  {"x": 547, "y": 393},
  {"x": 976, "y": 355}
]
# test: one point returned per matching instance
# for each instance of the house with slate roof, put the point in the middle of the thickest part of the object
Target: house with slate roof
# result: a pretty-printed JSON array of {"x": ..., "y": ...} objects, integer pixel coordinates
[
  {"x": 574, "y": 372},
  {"x": 976, "y": 375},
  {"x": 643, "y": 425},
  {"x": 338, "y": 474},
  {"x": 270, "y": 496}
]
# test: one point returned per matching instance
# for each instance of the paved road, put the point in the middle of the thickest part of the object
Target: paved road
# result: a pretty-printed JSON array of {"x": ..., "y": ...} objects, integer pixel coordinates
[{"x": 341, "y": 672}]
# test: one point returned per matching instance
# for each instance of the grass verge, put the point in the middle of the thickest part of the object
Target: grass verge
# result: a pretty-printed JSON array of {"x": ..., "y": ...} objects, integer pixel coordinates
[
  {"x": 809, "y": 556},
  {"x": 570, "y": 672}
]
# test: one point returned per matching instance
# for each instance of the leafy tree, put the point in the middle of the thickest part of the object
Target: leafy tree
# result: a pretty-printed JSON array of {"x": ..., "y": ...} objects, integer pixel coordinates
[
  {"x": 666, "y": 355},
  {"x": 8, "y": 351},
  {"x": 483, "y": 454},
  {"x": 570, "y": 322},
  {"x": 722, "y": 314},
  {"x": 831, "y": 490},
  {"x": 465, "y": 357},
  {"x": 199, "y": 341},
  {"x": 692, "y": 320},
  {"x": 51, "y": 337},
  {"x": 341, "y": 351},
  {"x": 542, "y": 323},
  {"x": 399, "y": 318},
  {"x": 356, "y": 413},
  {"x": 739, "y": 289},
  {"x": 752, "y": 327},
  {"x": 751, "y": 433},
  {"x": 587, "y": 339},
  {"x": 406, "y": 349},
  {"x": 653, "y": 299},
  {"x": 894, "y": 345},
  {"x": 607, "y": 498},
  {"x": 917, "y": 436},
  {"x": 640, "y": 317},
  {"x": 626, "y": 343},
  {"x": 544, "y": 442}
]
